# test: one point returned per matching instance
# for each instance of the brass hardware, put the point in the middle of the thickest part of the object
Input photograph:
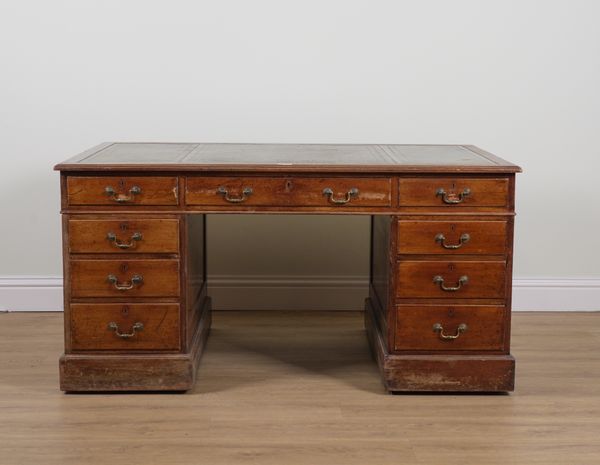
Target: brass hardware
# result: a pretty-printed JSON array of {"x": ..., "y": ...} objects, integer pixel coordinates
[
  {"x": 438, "y": 328},
  {"x": 112, "y": 237},
  {"x": 464, "y": 238},
  {"x": 112, "y": 326},
  {"x": 453, "y": 198},
  {"x": 136, "y": 279},
  {"x": 328, "y": 192},
  {"x": 225, "y": 193},
  {"x": 122, "y": 198},
  {"x": 461, "y": 282}
]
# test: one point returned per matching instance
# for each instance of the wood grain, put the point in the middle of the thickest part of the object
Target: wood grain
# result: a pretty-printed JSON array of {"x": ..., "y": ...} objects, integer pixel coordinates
[
  {"x": 414, "y": 327},
  {"x": 89, "y": 278},
  {"x": 382, "y": 270},
  {"x": 195, "y": 286},
  {"x": 89, "y": 326},
  {"x": 91, "y": 236},
  {"x": 486, "y": 279},
  {"x": 290, "y": 191},
  {"x": 154, "y": 190},
  {"x": 484, "y": 192},
  {"x": 419, "y": 236},
  {"x": 302, "y": 389}
]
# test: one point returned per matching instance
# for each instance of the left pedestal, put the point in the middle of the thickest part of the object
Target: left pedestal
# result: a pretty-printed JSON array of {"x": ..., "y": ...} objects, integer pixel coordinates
[{"x": 137, "y": 314}]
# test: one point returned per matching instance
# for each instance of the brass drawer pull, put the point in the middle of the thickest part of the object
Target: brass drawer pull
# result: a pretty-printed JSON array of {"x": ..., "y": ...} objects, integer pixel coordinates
[
  {"x": 135, "y": 280},
  {"x": 247, "y": 191},
  {"x": 122, "y": 198},
  {"x": 112, "y": 326},
  {"x": 464, "y": 238},
  {"x": 461, "y": 282},
  {"x": 135, "y": 237},
  {"x": 352, "y": 193},
  {"x": 453, "y": 198},
  {"x": 438, "y": 328}
]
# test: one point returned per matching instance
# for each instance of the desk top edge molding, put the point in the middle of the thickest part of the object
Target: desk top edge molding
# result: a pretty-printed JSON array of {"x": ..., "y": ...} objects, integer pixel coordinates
[{"x": 389, "y": 158}]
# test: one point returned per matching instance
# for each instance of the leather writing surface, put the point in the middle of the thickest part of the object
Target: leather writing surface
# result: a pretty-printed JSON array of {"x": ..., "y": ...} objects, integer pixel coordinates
[{"x": 286, "y": 154}]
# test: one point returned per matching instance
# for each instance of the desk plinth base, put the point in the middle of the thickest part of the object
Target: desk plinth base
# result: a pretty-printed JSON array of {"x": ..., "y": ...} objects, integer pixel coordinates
[
  {"x": 451, "y": 373},
  {"x": 130, "y": 372}
]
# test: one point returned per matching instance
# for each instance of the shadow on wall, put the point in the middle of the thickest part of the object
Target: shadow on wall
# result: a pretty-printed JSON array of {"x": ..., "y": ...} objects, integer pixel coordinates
[{"x": 285, "y": 262}]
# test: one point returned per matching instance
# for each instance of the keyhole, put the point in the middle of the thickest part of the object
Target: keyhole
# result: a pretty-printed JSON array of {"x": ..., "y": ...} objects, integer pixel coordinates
[
  {"x": 452, "y": 227},
  {"x": 288, "y": 185},
  {"x": 121, "y": 183},
  {"x": 451, "y": 312},
  {"x": 124, "y": 267},
  {"x": 125, "y": 310},
  {"x": 124, "y": 226},
  {"x": 453, "y": 185},
  {"x": 451, "y": 267}
]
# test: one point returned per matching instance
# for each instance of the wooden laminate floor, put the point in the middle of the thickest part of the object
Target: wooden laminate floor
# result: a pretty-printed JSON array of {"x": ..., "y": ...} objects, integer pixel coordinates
[{"x": 300, "y": 388}]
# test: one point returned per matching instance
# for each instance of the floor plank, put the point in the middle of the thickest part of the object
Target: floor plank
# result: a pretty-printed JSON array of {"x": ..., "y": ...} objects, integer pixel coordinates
[{"x": 301, "y": 388}]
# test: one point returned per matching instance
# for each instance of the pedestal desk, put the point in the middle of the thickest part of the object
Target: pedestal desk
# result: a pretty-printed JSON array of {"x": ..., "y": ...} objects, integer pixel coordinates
[{"x": 137, "y": 312}]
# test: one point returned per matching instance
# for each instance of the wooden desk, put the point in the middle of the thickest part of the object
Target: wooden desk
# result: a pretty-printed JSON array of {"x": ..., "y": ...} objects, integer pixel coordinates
[{"x": 137, "y": 312}]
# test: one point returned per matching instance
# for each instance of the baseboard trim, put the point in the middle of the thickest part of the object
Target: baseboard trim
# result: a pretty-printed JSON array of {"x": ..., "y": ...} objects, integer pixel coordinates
[
  {"x": 556, "y": 294},
  {"x": 31, "y": 293},
  {"x": 267, "y": 292}
]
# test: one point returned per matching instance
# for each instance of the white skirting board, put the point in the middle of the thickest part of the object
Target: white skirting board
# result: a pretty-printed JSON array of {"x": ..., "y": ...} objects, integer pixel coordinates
[{"x": 44, "y": 293}]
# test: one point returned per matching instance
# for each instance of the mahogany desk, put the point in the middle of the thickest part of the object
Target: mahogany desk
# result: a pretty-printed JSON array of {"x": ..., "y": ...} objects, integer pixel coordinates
[{"x": 137, "y": 313}]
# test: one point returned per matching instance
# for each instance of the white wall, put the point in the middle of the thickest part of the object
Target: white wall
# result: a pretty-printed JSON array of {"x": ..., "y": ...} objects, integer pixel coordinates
[{"x": 518, "y": 78}]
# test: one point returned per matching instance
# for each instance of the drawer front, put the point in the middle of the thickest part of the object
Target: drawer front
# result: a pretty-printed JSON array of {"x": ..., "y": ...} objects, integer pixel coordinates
[
  {"x": 453, "y": 192},
  {"x": 220, "y": 191},
  {"x": 124, "y": 278},
  {"x": 451, "y": 237},
  {"x": 289, "y": 191},
  {"x": 343, "y": 192},
  {"x": 124, "y": 235},
  {"x": 458, "y": 279},
  {"x": 120, "y": 191},
  {"x": 124, "y": 326},
  {"x": 426, "y": 327}
]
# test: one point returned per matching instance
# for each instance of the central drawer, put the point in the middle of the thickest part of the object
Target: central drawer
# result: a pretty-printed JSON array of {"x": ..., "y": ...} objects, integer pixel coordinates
[
  {"x": 340, "y": 192},
  {"x": 457, "y": 279},
  {"x": 124, "y": 278},
  {"x": 129, "y": 326}
]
